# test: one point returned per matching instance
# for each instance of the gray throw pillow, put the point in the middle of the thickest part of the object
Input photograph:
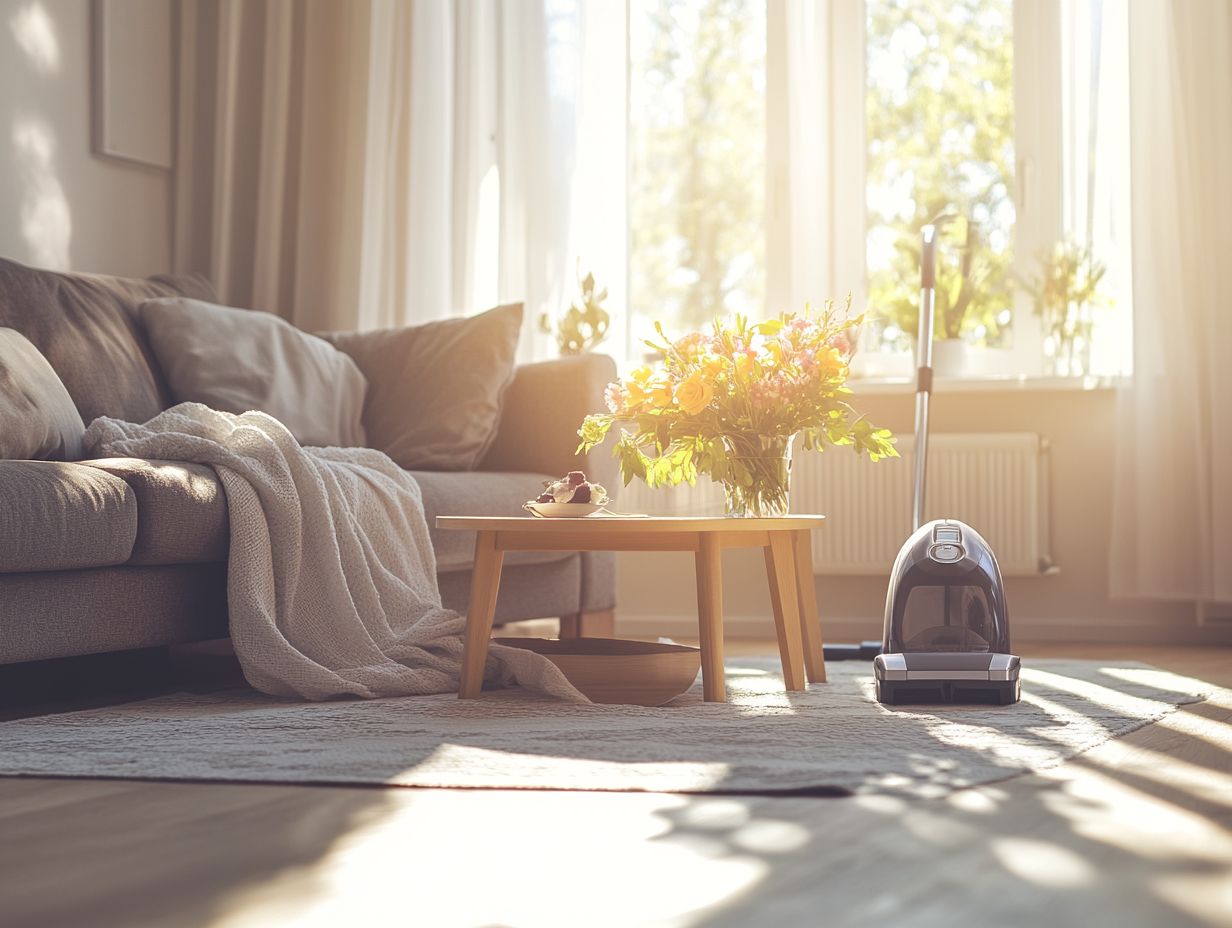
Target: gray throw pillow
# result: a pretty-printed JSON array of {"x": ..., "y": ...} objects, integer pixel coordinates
[
  {"x": 38, "y": 420},
  {"x": 235, "y": 360},
  {"x": 435, "y": 391}
]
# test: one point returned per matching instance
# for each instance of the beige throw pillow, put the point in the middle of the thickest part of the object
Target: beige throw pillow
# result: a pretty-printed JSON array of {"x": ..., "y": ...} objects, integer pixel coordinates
[
  {"x": 435, "y": 391},
  {"x": 38, "y": 420},
  {"x": 235, "y": 360}
]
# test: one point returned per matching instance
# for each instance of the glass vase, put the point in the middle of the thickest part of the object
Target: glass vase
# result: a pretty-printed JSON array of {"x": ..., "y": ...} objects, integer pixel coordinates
[{"x": 758, "y": 483}]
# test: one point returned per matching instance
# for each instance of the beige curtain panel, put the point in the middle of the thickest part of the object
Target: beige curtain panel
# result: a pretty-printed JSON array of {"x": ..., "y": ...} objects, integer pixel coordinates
[
  {"x": 1172, "y": 524},
  {"x": 371, "y": 163}
]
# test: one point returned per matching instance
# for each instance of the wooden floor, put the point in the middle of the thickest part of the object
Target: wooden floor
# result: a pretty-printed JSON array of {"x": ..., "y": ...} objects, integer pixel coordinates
[{"x": 1135, "y": 833}]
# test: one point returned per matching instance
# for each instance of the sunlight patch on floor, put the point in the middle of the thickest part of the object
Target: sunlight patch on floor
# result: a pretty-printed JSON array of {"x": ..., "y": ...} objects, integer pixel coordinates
[
  {"x": 1158, "y": 679},
  {"x": 1042, "y": 863},
  {"x": 491, "y": 861},
  {"x": 1214, "y": 732},
  {"x": 1102, "y": 696},
  {"x": 451, "y": 762}
]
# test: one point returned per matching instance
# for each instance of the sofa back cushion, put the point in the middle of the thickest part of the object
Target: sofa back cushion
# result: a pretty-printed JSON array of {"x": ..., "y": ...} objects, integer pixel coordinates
[
  {"x": 235, "y": 360},
  {"x": 38, "y": 420},
  {"x": 86, "y": 326},
  {"x": 435, "y": 391}
]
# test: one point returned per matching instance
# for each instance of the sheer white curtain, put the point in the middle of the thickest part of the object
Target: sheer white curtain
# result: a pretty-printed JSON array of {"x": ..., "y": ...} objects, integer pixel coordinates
[
  {"x": 814, "y": 85},
  {"x": 1172, "y": 528},
  {"x": 469, "y": 154},
  {"x": 1096, "y": 194},
  {"x": 376, "y": 162}
]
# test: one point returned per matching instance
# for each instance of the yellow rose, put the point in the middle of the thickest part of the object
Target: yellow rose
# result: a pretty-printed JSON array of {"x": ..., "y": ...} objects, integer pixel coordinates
[
  {"x": 660, "y": 393},
  {"x": 831, "y": 359},
  {"x": 635, "y": 394},
  {"x": 694, "y": 395},
  {"x": 713, "y": 365}
]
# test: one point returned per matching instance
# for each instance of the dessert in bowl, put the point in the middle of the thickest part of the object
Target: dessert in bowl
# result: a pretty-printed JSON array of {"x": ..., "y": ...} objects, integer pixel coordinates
[{"x": 573, "y": 496}]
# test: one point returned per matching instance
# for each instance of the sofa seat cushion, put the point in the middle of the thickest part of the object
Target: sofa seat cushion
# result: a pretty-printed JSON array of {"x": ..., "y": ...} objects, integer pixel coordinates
[
  {"x": 477, "y": 493},
  {"x": 181, "y": 510},
  {"x": 57, "y": 516}
]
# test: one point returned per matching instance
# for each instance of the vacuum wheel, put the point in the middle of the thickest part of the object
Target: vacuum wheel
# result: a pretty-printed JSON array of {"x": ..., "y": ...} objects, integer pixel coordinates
[
  {"x": 1009, "y": 693},
  {"x": 886, "y": 694}
]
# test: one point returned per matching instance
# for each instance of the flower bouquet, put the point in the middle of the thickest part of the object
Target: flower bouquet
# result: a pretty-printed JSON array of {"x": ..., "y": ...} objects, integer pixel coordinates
[{"x": 729, "y": 403}]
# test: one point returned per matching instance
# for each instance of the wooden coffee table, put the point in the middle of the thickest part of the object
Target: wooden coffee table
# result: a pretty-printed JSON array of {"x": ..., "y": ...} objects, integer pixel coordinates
[{"x": 789, "y": 569}]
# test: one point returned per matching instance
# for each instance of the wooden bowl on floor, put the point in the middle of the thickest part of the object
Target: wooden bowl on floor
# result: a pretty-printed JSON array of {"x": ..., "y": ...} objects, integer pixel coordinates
[{"x": 615, "y": 670}]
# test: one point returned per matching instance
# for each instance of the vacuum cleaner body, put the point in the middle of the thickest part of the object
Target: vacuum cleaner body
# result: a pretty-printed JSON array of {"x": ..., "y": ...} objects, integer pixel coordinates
[{"x": 947, "y": 631}]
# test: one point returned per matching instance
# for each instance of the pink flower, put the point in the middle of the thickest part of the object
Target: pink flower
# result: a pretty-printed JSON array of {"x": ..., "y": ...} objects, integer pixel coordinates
[{"x": 611, "y": 396}]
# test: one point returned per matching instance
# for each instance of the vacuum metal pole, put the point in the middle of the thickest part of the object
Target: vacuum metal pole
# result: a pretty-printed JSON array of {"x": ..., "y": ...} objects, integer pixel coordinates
[{"x": 924, "y": 369}]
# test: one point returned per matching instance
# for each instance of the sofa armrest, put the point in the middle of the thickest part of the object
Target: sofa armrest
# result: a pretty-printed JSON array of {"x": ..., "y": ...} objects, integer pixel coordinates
[{"x": 543, "y": 407}]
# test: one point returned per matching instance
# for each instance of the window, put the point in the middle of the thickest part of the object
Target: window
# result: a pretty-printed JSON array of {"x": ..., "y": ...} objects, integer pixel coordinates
[
  {"x": 1010, "y": 118},
  {"x": 697, "y": 136},
  {"x": 939, "y": 120}
]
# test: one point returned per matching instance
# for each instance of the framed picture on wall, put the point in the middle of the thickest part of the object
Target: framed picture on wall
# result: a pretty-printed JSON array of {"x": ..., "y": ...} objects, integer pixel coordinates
[{"x": 133, "y": 80}]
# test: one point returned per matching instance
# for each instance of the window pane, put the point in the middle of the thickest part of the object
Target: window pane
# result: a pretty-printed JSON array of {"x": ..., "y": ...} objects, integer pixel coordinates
[
  {"x": 697, "y": 127},
  {"x": 940, "y": 122}
]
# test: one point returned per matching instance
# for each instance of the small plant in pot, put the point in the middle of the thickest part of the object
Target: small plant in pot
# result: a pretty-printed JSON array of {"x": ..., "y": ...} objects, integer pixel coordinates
[
  {"x": 966, "y": 292},
  {"x": 585, "y": 324},
  {"x": 1067, "y": 294}
]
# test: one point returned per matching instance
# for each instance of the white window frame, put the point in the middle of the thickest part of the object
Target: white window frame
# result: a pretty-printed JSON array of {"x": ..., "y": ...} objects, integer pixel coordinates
[
  {"x": 1038, "y": 194},
  {"x": 1038, "y": 188}
]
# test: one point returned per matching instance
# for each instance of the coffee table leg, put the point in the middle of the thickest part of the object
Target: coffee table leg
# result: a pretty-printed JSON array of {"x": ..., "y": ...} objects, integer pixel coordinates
[
  {"x": 710, "y": 616},
  {"x": 810, "y": 623},
  {"x": 485, "y": 584},
  {"x": 781, "y": 572}
]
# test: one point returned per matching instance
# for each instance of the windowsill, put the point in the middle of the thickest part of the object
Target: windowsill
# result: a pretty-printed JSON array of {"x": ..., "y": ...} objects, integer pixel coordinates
[{"x": 987, "y": 384}]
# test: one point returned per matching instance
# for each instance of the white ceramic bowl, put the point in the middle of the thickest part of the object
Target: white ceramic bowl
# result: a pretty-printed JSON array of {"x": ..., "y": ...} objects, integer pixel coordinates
[{"x": 563, "y": 510}]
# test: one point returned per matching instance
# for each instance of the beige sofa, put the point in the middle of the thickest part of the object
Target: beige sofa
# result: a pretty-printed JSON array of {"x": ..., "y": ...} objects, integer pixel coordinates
[{"x": 120, "y": 554}]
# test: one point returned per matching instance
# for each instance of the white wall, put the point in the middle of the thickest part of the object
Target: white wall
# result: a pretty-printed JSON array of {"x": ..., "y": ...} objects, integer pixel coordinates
[{"x": 61, "y": 206}]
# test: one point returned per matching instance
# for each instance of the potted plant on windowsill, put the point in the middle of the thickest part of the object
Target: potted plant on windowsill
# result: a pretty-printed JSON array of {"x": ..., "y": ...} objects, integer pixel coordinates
[
  {"x": 585, "y": 324},
  {"x": 964, "y": 292},
  {"x": 1067, "y": 294}
]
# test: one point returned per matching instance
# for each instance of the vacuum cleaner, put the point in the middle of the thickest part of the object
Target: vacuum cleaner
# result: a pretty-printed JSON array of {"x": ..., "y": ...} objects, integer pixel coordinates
[{"x": 947, "y": 635}]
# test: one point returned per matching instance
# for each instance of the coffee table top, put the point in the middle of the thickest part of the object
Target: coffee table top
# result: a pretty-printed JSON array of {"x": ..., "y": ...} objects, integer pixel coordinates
[{"x": 638, "y": 524}]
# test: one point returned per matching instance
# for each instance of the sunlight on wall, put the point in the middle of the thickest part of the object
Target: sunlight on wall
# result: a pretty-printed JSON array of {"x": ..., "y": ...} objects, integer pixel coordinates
[
  {"x": 36, "y": 35},
  {"x": 46, "y": 224}
]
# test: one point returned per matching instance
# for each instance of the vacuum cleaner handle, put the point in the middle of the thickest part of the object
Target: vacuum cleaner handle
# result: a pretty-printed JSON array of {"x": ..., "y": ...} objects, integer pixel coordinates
[{"x": 924, "y": 365}]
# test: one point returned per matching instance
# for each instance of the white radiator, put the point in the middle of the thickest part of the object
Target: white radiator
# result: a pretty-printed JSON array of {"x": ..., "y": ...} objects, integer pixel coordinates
[{"x": 996, "y": 483}]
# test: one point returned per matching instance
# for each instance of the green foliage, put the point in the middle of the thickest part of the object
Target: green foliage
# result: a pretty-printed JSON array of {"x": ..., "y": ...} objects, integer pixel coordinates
[
  {"x": 940, "y": 129},
  {"x": 1065, "y": 291},
  {"x": 756, "y": 386},
  {"x": 697, "y": 147},
  {"x": 582, "y": 326}
]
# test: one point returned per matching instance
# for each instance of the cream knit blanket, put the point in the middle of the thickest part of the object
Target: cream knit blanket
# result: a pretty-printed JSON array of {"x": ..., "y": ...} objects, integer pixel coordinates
[{"x": 331, "y": 579}]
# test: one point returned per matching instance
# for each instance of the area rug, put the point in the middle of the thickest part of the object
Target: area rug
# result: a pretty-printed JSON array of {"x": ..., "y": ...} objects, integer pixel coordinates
[{"x": 834, "y": 739}]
